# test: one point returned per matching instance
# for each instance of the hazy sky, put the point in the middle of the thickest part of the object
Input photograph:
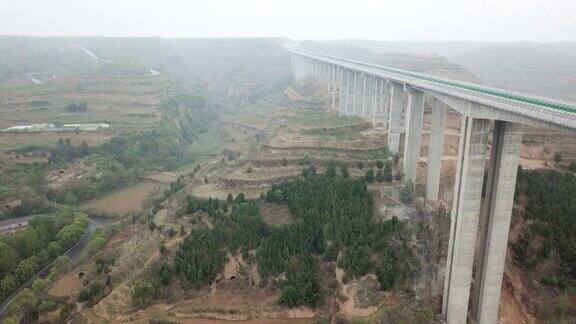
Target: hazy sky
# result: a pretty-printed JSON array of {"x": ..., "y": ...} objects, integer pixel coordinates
[{"x": 475, "y": 20}]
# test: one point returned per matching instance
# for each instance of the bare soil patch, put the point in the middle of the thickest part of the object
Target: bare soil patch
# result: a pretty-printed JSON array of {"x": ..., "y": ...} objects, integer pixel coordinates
[
  {"x": 162, "y": 177},
  {"x": 124, "y": 201},
  {"x": 211, "y": 190},
  {"x": 275, "y": 214},
  {"x": 67, "y": 286}
]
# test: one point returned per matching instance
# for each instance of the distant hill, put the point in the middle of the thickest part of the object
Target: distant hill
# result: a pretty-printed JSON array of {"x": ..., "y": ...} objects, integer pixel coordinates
[{"x": 543, "y": 69}]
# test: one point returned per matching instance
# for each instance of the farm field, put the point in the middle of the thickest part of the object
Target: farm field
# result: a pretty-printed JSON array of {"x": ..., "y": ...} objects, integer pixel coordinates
[{"x": 124, "y": 201}]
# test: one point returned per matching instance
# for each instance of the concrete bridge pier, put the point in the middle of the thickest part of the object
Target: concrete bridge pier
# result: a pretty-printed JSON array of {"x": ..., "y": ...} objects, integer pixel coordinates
[
  {"x": 334, "y": 85},
  {"x": 464, "y": 218},
  {"x": 386, "y": 94},
  {"x": 495, "y": 221},
  {"x": 354, "y": 94},
  {"x": 364, "y": 85},
  {"x": 350, "y": 93},
  {"x": 368, "y": 98},
  {"x": 344, "y": 82},
  {"x": 375, "y": 100},
  {"x": 395, "y": 117},
  {"x": 414, "y": 120},
  {"x": 435, "y": 149}
]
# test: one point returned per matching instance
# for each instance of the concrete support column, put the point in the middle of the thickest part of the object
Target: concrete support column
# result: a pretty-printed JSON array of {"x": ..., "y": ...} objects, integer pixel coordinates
[
  {"x": 354, "y": 94},
  {"x": 364, "y": 81},
  {"x": 370, "y": 84},
  {"x": 414, "y": 120},
  {"x": 349, "y": 92},
  {"x": 464, "y": 218},
  {"x": 395, "y": 117},
  {"x": 386, "y": 102},
  {"x": 334, "y": 85},
  {"x": 435, "y": 149},
  {"x": 495, "y": 221},
  {"x": 375, "y": 100},
  {"x": 343, "y": 92}
]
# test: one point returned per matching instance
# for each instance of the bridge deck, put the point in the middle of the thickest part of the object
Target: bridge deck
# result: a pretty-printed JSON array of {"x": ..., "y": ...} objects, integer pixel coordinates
[{"x": 543, "y": 109}]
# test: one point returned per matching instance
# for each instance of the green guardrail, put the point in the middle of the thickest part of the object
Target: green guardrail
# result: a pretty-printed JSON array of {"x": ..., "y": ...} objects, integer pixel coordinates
[{"x": 471, "y": 87}]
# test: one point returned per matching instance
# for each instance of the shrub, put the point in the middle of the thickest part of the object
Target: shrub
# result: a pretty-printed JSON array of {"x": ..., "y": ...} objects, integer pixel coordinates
[
  {"x": 165, "y": 273},
  {"x": 331, "y": 169},
  {"x": 39, "y": 285},
  {"x": 407, "y": 193},
  {"x": 557, "y": 157},
  {"x": 91, "y": 293},
  {"x": 369, "y": 176},
  {"x": 290, "y": 296},
  {"x": 386, "y": 275},
  {"x": 240, "y": 198},
  {"x": 80, "y": 106},
  {"x": 387, "y": 174},
  {"x": 573, "y": 166},
  {"x": 344, "y": 171},
  {"x": 380, "y": 176},
  {"x": 46, "y": 305},
  {"x": 276, "y": 195},
  {"x": 143, "y": 294},
  {"x": 23, "y": 304},
  {"x": 379, "y": 164},
  {"x": 229, "y": 198},
  {"x": 360, "y": 165}
]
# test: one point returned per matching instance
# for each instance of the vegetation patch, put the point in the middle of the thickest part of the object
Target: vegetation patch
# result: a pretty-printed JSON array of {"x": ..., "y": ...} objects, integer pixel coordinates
[{"x": 332, "y": 222}]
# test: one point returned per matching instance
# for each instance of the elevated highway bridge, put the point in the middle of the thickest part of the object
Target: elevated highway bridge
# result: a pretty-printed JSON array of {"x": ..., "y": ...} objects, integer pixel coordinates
[{"x": 393, "y": 100}]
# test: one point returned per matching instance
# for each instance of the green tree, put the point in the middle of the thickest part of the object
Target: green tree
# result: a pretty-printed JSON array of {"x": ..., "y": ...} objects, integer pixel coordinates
[
  {"x": 290, "y": 296},
  {"x": 54, "y": 249},
  {"x": 369, "y": 176},
  {"x": 331, "y": 169},
  {"x": 229, "y": 198},
  {"x": 199, "y": 257},
  {"x": 407, "y": 193},
  {"x": 344, "y": 171},
  {"x": 165, "y": 273},
  {"x": 8, "y": 259},
  {"x": 8, "y": 285},
  {"x": 240, "y": 198},
  {"x": 143, "y": 294},
  {"x": 557, "y": 157},
  {"x": 387, "y": 174},
  {"x": 26, "y": 269},
  {"x": 23, "y": 304},
  {"x": 379, "y": 164},
  {"x": 39, "y": 285},
  {"x": 386, "y": 275},
  {"x": 380, "y": 176}
]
